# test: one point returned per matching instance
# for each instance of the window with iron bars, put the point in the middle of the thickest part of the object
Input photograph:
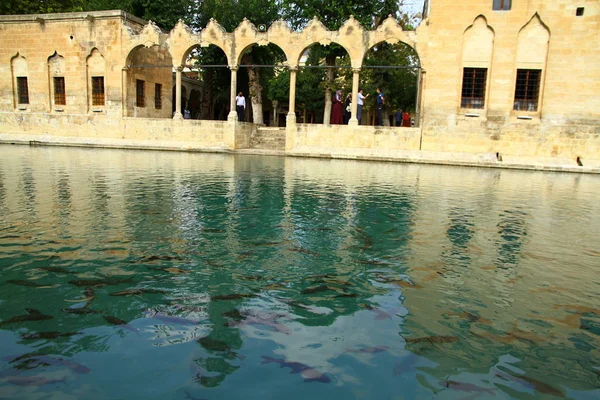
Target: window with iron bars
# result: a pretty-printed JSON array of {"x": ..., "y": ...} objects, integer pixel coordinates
[
  {"x": 527, "y": 89},
  {"x": 22, "y": 90},
  {"x": 140, "y": 87},
  {"x": 157, "y": 96},
  {"x": 97, "y": 90},
  {"x": 473, "y": 88},
  {"x": 501, "y": 4},
  {"x": 60, "y": 97}
]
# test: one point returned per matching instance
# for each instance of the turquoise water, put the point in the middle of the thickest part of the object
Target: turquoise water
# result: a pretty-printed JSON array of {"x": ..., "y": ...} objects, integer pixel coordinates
[{"x": 157, "y": 275}]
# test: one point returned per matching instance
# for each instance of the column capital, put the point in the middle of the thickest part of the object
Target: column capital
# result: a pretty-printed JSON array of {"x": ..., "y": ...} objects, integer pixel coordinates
[
  {"x": 234, "y": 67},
  {"x": 293, "y": 68},
  {"x": 356, "y": 70},
  {"x": 179, "y": 68}
]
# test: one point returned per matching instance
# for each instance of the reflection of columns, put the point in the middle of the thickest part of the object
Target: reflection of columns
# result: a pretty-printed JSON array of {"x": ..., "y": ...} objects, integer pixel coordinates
[
  {"x": 177, "y": 114},
  {"x": 232, "y": 93},
  {"x": 354, "y": 105},
  {"x": 292, "y": 105},
  {"x": 123, "y": 91}
]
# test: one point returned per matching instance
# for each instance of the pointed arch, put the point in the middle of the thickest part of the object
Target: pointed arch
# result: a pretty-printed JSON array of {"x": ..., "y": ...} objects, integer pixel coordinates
[{"x": 20, "y": 74}]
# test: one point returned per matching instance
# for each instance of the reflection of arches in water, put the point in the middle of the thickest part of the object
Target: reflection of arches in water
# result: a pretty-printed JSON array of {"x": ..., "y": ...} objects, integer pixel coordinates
[
  {"x": 28, "y": 190},
  {"x": 511, "y": 230}
]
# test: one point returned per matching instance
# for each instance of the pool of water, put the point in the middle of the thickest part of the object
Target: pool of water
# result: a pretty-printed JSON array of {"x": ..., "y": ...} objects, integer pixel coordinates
[{"x": 158, "y": 275}]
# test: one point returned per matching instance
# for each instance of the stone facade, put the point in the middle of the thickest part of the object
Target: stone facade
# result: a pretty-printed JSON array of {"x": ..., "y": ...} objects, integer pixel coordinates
[{"x": 522, "y": 82}]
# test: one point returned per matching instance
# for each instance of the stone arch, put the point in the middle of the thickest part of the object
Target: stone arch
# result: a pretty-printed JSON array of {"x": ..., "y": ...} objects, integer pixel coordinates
[
  {"x": 56, "y": 78},
  {"x": 399, "y": 79},
  {"x": 530, "y": 64},
  {"x": 477, "y": 53},
  {"x": 20, "y": 74},
  {"x": 96, "y": 85},
  {"x": 149, "y": 73}
]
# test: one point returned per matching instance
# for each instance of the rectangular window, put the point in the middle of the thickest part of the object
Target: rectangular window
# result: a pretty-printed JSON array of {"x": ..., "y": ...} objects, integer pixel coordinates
[
  {"x": 97, "y": 90},
  {"x": 22, "y": 90},
  {"x": 473, "y": 87},
  {"x": 501, "y": 4},
  {"x": 139, "y": 93},
  {"x": 60, "y": 98},
  {"x": 157, "y": 96},
  {"x": 527, "y": 89}
]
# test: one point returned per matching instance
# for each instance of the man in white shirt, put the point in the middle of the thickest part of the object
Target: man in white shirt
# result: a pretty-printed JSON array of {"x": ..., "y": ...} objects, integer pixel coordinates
[
  {"x": 360, "y": 103},
  {"x": 240, "y": 105}
]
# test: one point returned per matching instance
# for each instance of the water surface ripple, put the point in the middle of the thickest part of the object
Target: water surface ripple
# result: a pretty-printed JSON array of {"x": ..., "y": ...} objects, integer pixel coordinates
[{"x": 158, "y": 275}]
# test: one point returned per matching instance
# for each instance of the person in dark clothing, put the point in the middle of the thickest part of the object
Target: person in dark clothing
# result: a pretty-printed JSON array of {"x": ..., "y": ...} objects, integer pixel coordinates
[
  {"x": 380, "y": 104},
  {"x": 398, "y": 117},
  {"x": 347, "y": 108}
]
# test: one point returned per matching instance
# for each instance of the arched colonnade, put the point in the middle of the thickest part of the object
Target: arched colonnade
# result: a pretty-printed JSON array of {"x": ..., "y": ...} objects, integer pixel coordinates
[{"x": 180, "y": 42}]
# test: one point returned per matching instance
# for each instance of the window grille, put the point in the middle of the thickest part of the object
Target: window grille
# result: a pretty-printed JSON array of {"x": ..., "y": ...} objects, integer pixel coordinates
[
  {"x": 157, "y": 96},
  {"x": 501, "y": 4},
  {"x": 60, "y": 97},
  {"x": 139, "y": 93},
  {"x": 97, "y": 90},
  {"x": 22, "y": 90},
  {"x": 473, "y": 88},
  {"x": 527, "y": 89}
]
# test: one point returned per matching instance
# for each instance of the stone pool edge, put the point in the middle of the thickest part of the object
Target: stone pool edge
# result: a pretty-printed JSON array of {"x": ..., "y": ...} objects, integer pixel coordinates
[{"x": 485, "y": 160}]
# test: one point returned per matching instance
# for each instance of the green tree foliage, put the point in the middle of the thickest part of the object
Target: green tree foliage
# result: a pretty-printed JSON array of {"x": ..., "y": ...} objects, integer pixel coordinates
[{"x": 41, "y": 6}]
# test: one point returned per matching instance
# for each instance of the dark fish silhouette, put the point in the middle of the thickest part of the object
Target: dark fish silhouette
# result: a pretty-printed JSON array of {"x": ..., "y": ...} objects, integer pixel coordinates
[
  {"x": 99, "y": 282},
  {"x": 48, "y": 335},
  {"x": 159, "y": 258},
  {"x": 133, "y": 292},
  {"x": 118, "y": 321},
  {"x": 369, "y": 350},
  {"x": 32, "y": 380},
  {"x": 234, "y": 314},
  {"x": 527, "y": 381},
  {"x": 309, "y": 374},
  {"x": 30, "y": 361},
  {"x": 33, "y": 315},
  {"x": 22, "y": 282},
  {"x": 318, "y": 289},
  {"x": 432, "y": 339},
  {"x": 81, "y": 311},
  {"x": 172, "y": 319},
  {"x": 234, "y": 296},
  {"x": 466, "y": 387},
  {"x": 349, "y": 295},
  {"x": 56, "y": 269}
]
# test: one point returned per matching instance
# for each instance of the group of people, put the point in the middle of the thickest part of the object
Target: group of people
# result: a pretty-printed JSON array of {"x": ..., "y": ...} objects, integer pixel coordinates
[{"x": 341, "y": 111}]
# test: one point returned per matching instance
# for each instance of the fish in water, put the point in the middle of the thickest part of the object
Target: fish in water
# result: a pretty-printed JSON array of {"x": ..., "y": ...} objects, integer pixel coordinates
[
  {"x": 309, "y": 374},
  {"x": 172, "y": 270},
  {"x": 31, "y": 361},
  {"x": 118, "y": 321},
  {"x": 48, "y": 335},
  {"x": 432, "y": 339},
  {"x": 317, "y": 289},
  {"x": 159, "y": 258},
  {"x": 32, "y": 315},
  {"x": 26, "y": 283},
  {"x": 133, "y": 292},
  {"x": 466, "y": 387},
  {"x": 58, "y": 270},
  {"x": 80, "y": 311},
  {"x": 270, "y": 321},
  {"x": 32, "y": 380},
  {"x": 234, "y": 296},
  {"x": 369, "y": 350},
  {"x": 98, "y": 282},
  {"x": 349, "y": 295},
  {"x": 171, "y": 319},
  {"x": 527, "y": 381},
  {"x": 214, "y": 344}
]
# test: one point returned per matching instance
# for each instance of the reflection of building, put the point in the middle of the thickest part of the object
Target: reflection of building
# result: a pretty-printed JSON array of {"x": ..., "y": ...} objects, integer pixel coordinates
[{"x": 496, "y": 87}]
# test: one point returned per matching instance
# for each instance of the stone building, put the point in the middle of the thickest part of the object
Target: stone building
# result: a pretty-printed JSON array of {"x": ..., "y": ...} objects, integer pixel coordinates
[{"x": 500, "y": 81}]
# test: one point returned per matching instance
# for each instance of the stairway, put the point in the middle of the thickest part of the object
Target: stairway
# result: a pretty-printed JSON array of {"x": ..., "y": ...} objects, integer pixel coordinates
[{"x": 268, "y": 138}]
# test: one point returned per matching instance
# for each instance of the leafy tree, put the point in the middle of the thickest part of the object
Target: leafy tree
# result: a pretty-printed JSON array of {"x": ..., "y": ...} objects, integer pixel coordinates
[{"x": 41, "y": 6}]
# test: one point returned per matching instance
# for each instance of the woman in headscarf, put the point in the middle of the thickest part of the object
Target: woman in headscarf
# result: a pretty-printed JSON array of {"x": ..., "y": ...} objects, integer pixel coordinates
[{"x": 337, "y": 111}]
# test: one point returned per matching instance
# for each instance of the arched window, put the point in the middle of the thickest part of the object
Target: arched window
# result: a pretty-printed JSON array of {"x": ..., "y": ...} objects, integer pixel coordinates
[
  {"x": 56, "y": 71},
  {"x": 21, "y": 86}
]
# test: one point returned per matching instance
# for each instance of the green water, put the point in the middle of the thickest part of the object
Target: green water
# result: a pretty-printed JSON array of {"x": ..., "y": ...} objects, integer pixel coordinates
[{"x": 157, "y": 275}]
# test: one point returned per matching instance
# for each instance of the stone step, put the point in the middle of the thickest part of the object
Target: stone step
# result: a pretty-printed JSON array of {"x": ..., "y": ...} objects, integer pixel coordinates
[{"x": 268, "y": 138}]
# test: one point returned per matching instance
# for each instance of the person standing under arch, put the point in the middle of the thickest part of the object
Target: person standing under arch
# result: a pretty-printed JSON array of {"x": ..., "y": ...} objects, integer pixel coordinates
[
  {"x": 380, "y": 104},
  {"x": 360, "y": 101},
  {"x": 240, "y": 106}
]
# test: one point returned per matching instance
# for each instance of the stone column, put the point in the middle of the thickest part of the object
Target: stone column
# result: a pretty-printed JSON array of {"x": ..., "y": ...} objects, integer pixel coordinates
[
  {"x": 232, "y": 93},
  {"x": 292, "y": 104},
  {"x": 177, "y": 114},
  {"x": 354, "y": 106},
  {"x": 124, "y": 73}
]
